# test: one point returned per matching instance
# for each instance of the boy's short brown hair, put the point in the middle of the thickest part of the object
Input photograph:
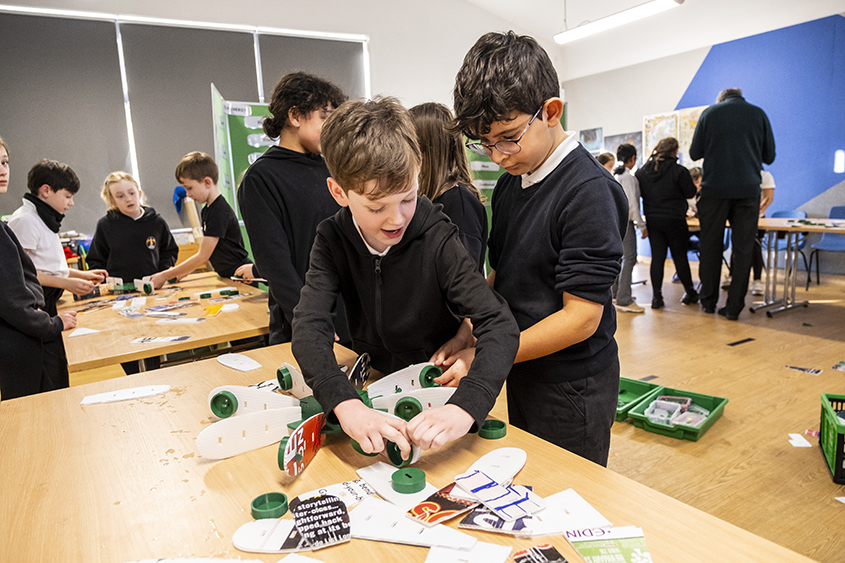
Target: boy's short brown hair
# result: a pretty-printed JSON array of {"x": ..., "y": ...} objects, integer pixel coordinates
[
  {"x": 57, "y": 175},
  {"x": 371, "y": 140},
  {"x": 196, "y": 166}
]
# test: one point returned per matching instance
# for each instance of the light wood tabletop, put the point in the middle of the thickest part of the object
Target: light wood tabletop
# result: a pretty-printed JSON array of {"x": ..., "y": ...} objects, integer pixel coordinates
[
  {"x": 122, "y": 482},
  {"x": 112, "y": 344}
]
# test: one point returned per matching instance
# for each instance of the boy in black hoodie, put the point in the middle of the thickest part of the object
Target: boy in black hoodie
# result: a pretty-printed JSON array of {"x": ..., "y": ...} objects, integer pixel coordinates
[
  {"x": 405, "y": 278},
  {"x": 283, "y": 195}
]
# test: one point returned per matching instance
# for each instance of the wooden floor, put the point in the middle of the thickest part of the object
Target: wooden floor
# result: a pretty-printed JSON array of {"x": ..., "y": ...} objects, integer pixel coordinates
[{"x": 743, "y": 470}]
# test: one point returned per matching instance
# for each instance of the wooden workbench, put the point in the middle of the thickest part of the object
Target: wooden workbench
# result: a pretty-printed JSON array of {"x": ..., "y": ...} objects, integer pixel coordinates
[
  {"x": 121, "y": 482},
  {"x": 112, "y": 346}
]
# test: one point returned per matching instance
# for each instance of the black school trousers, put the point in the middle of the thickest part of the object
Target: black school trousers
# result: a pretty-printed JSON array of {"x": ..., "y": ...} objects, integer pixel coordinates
[
  {"x": 669, "y": 233},
  {"x": 742, "y": 214},
  {"x": 575, "y": 415}
]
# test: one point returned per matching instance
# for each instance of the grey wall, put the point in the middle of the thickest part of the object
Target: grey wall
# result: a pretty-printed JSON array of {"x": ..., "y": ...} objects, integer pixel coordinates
[{"x": 60, "y": 98}]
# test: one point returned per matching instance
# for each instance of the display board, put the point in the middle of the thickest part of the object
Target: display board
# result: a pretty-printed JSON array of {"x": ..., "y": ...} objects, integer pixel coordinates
[{"x": 679, "y": 124}]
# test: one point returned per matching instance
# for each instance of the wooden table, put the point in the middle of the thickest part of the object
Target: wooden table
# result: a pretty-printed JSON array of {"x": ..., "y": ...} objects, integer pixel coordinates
[
  {"x": 791, "y": 229},
  {"x": 112, "y": 345},
  {"x": 121, "y": 482}
]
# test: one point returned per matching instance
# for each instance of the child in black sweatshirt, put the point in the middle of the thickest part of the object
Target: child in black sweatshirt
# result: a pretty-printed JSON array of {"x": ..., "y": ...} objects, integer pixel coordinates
[
  {"x": 32, "y": 358},
  {"x": 132, "y": 240},
  {"x": 283, "y": 195},
  {"x": 555, "y": 243},
  {"x": 406, "y": 280}
]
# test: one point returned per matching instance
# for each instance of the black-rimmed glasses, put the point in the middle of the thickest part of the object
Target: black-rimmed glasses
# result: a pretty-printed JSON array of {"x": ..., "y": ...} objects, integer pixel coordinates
[{"x": 504, "y": 147}]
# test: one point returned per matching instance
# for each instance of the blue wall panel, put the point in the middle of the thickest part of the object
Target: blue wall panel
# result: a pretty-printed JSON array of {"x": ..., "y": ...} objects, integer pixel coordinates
[{"x": 797, "y": 75}]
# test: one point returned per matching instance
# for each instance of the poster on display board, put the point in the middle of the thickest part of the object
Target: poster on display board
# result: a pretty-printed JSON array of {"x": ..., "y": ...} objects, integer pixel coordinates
[
  {"x": 239, "y": 140},
  {"x": 679, "y": 124}
]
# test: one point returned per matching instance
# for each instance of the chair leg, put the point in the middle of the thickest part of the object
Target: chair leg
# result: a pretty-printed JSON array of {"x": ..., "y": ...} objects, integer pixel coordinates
[
  {"x": 810, "y": 271},
  {"x": 818, "y": 259}
]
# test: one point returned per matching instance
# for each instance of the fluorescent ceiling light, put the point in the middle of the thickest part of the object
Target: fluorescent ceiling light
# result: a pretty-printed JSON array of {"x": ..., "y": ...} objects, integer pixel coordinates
[{"x": 620, "y": 18}]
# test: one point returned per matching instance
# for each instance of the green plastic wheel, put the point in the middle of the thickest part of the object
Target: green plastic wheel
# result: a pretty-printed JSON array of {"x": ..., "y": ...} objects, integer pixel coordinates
[
  {"x": 407, "y": 408},
  {"x": 428, "y": 374},
  {"x": 224, "y": 404}
]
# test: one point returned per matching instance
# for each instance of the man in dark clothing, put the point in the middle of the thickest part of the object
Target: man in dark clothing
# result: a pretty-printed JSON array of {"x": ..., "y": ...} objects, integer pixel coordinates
[{"x": 734, "y": 138}]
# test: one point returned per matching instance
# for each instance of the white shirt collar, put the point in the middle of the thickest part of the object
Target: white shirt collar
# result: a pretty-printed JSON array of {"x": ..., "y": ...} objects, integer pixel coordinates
[
  {"x": 562, "y": 150},
  {"x": 372, "y": 250}
]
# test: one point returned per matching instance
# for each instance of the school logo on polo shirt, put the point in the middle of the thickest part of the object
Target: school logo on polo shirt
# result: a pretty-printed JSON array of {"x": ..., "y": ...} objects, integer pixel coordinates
[{"x": 151, "y": 243}]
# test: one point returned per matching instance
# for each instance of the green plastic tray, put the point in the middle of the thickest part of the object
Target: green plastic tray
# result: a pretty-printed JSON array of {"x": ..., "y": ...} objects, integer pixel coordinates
[
  {"x": 716, "y": 406},
  {"x": 631, "y": 393},
  {"x": 832, "y": 436}
]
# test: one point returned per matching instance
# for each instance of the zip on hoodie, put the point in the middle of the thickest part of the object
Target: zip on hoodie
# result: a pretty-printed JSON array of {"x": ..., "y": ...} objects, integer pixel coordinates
[{"x": 377, "y": 263}]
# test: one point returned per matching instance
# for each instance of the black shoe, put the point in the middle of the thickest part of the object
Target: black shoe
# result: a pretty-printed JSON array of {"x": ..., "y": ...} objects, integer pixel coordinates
[
  {"x": 724, "y": 312},
  {"x": 709, "y": 310},
  {"x": 657, "y": 303},
  {"x": 690, "y": 298}
]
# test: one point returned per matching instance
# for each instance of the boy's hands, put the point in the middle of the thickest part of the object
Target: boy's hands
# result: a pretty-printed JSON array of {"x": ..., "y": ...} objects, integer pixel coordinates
[
  {"x": 462, "y": 339},
  {"x": 160, "y": 278},
  {"x": 68, "y": 320},
  {"x": 245, "y": 272},
  {"x": 458, "y": 366},
  {"x": 79, "y": 286},
  {"x": 371, "y": 428},
  {"x": 434, "y": 428},
  {"x": 97, "y": 276}
]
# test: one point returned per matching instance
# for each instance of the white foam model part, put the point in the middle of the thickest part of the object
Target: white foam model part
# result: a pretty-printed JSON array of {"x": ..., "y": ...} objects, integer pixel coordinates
[
  {"x": 118, "y": 305},
  {"x": 142, "y": 286},
  {"x": 203, "y": 560},
  {"x": 251, "y": 399},
  {"x": 269, "y": 385},
  {"x": 81, "y": 331},
  {"x": 179, "y": 321},
  {"x": 267, "y": 535},
  {"x": 229, "y": 307},
  {"x": 241, "y": 434},
  {"x": 482, "y": 552},
  {"x": 125, "y": 394},
  {"x": 406, "y": 379},
  {"x": 565, "y": 511},
  {"x": 500, "y": 464},
  {"x": 430, "y": 398},
  {"x": 300, "y": 389},
  {"x": 507, "y": 502},
  {"x": 378, "y": 476},
  {"x": 378, "y": 520},
  {"x": 351, "y": 493},
  {"x": 137, "y": 302},
  {"x": 238, "y": 362}
]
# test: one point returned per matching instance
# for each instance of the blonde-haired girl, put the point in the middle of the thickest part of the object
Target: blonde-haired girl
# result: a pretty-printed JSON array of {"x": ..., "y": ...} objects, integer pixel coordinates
[{"x": 132, "y": 240}]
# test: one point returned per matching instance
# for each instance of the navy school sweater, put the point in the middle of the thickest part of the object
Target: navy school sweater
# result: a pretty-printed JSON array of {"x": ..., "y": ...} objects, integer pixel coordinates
[
  {"x": 470, "y": 216},
  {"x": 24, "y": 327},
  {"x": 401, "y": 308},
  {"x": 283, "y": 197},
  {"x": 132, "y": 248},
  {"x": 563, "y": 234}
]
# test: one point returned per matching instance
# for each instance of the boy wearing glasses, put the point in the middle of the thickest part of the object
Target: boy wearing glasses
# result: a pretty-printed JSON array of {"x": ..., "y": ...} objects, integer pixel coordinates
[
  {"x": 406, "y": 280},
  {"x": 555, "y": 244}
]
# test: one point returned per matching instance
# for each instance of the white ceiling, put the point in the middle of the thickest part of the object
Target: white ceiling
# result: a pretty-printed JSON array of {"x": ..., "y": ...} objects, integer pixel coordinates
[{"x": 692, "y": 25}]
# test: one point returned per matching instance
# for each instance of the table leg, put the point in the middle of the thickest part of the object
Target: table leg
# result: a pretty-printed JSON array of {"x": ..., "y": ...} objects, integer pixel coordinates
[
  {"x": 771, "y": 284},
  {"x": 790, "y": 274}
]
